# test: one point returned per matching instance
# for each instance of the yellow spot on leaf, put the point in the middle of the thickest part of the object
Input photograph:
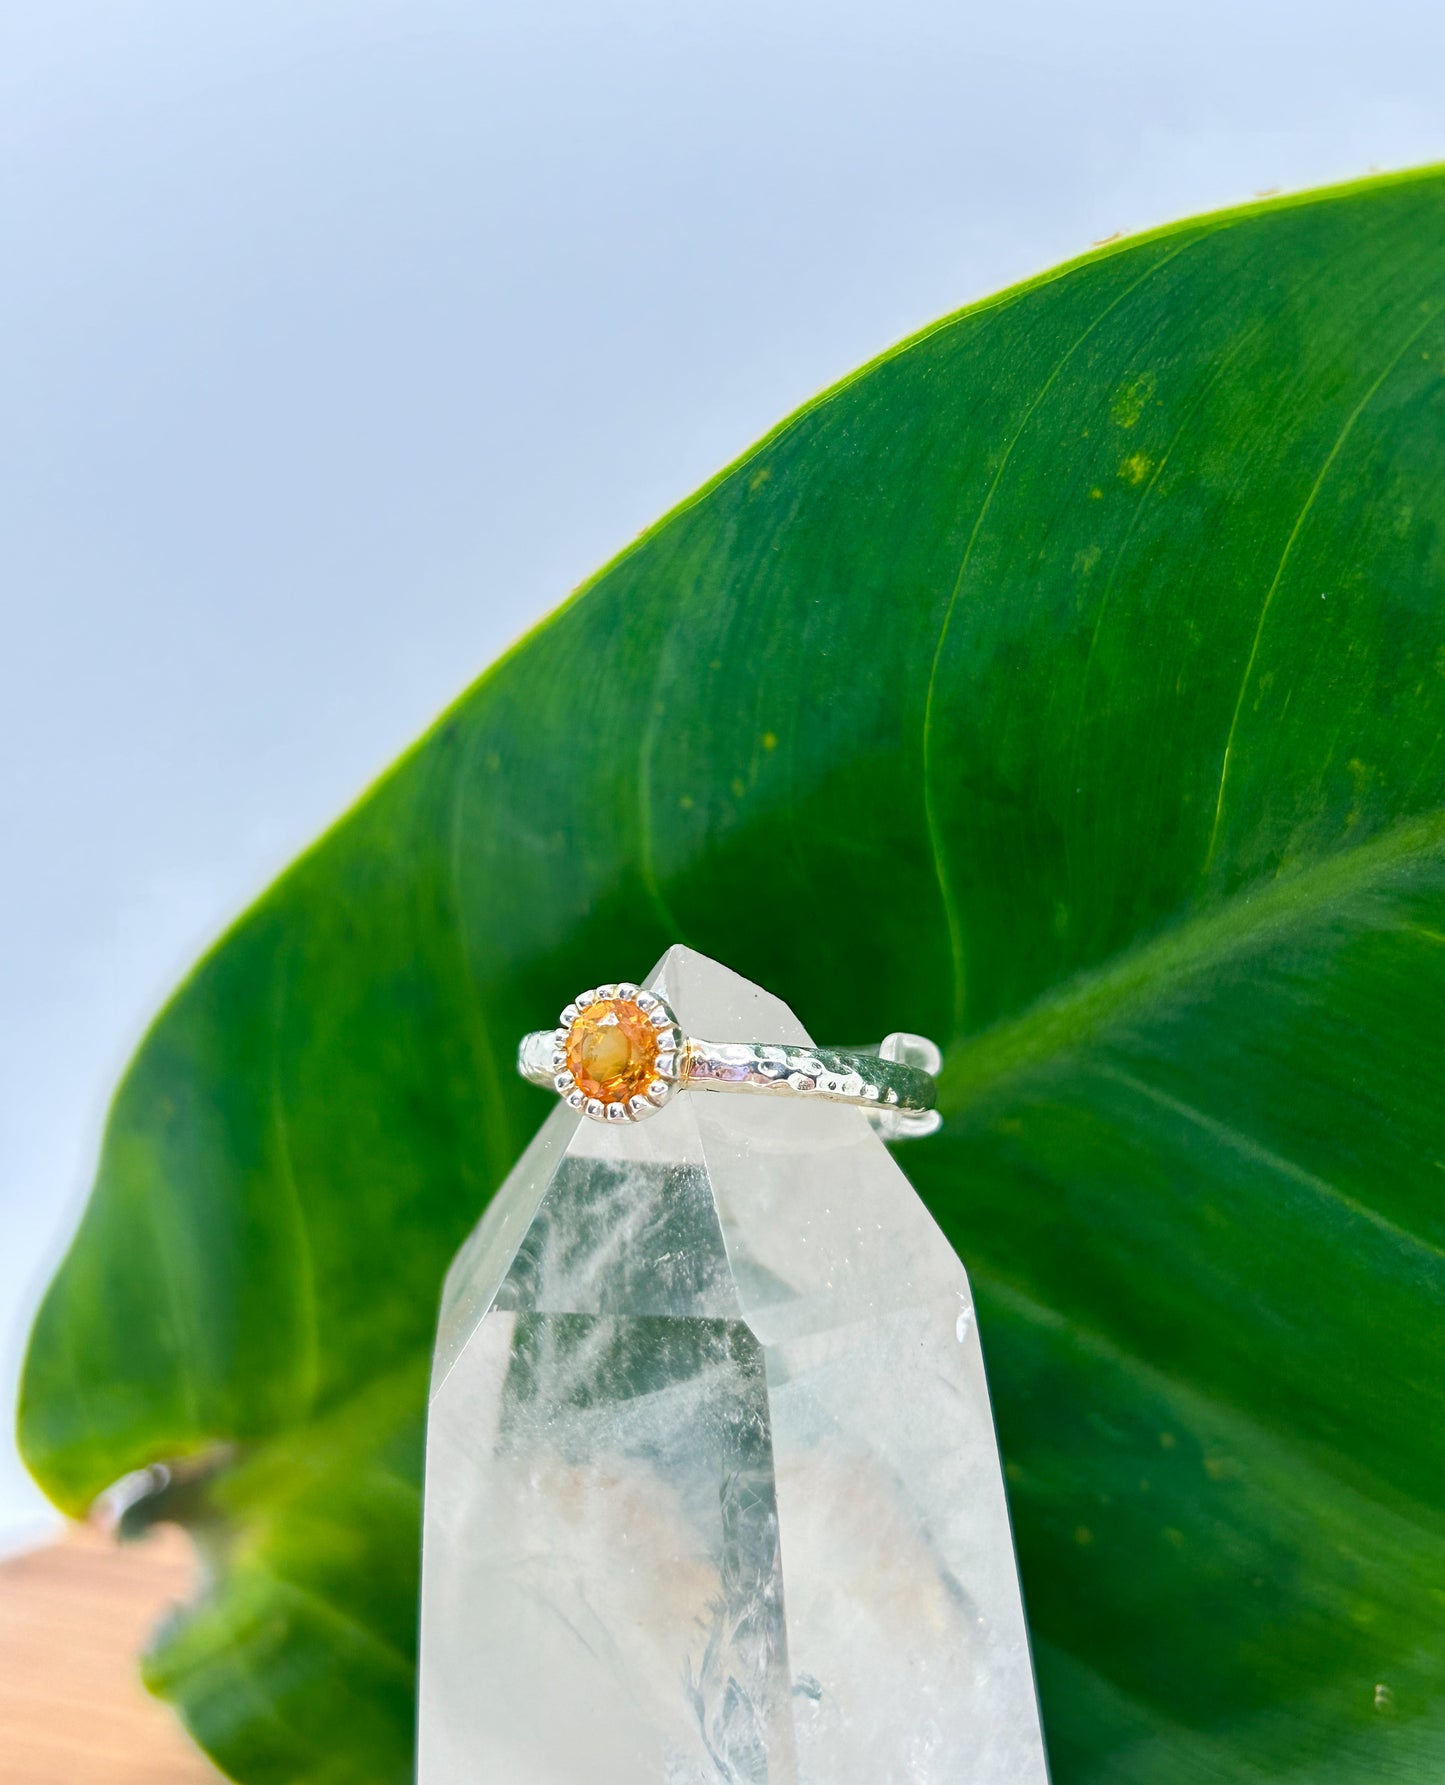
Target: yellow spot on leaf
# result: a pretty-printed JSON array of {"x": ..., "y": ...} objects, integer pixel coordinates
[
  {"x": 770, "y": 740},
  {"x": 1136, "y": 467},
  {"x": 1083, "y": 1536},
  {"x": 1131, "y": 399},
  {"x": 759, "y": 477},
  {"x": 1167, "y": 1441}
]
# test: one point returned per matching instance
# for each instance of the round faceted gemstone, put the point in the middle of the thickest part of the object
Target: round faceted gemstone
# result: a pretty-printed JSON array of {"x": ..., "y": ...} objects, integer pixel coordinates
[{"x": 612, "y": 1051}]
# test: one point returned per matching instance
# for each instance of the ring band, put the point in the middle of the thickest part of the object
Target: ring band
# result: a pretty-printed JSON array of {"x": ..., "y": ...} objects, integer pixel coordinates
[{"x": 618, "y": 1054}]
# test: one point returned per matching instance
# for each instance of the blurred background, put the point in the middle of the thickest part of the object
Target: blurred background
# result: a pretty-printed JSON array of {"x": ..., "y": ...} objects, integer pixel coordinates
[{"x": 343, "y": 337}]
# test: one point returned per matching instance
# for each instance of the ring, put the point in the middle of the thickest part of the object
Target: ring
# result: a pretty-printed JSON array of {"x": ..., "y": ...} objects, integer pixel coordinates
[{"x": 619, "y": 1054}]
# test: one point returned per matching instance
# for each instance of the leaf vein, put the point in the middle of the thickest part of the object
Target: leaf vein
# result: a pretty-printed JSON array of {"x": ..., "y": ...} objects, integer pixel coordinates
[
  {"x": 1346, "y": 429},
  {"x": 1065, "y": 1018},
  {"x": 931, "y": 815},
  {"x": 1248, "y": 1147},
  {"x": 1256, "y": 1433}
]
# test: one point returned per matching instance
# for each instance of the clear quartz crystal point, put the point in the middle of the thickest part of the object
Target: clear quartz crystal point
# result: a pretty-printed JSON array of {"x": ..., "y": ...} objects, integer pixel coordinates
[{"x": 712, "y": 1489}]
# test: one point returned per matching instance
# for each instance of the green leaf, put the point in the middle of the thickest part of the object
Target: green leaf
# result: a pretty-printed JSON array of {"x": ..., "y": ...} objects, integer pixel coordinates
[{"x": 1070, "y": 684}]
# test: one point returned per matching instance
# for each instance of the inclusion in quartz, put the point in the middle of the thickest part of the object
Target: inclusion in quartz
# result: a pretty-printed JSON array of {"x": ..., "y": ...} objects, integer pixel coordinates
[{"x": 712, "y": 1490}]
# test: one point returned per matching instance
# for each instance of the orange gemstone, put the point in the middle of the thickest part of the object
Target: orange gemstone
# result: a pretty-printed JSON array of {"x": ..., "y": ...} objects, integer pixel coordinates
[{"x": 612, "y": 1051}]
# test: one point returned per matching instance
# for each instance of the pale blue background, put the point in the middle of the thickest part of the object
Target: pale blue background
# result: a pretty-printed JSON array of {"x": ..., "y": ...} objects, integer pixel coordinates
[{"x": 342, "y": 337}]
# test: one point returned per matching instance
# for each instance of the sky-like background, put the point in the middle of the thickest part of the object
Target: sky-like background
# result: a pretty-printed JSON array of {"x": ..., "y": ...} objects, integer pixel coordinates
[{"x": 340, "y": 338}]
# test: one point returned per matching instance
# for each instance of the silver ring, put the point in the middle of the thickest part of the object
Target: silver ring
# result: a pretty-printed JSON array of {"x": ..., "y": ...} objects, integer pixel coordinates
[{"x": 618, "y": 1054}]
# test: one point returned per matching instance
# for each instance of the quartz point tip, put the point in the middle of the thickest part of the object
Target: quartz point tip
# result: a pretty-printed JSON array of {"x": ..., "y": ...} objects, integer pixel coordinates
[{"x": 713, "y": 1495}]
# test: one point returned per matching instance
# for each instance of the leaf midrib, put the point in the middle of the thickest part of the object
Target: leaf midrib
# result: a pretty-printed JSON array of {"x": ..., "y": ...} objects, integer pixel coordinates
[
  {"x": 1252, "y": 1434},
  {"x": 1206, "y": 936}
]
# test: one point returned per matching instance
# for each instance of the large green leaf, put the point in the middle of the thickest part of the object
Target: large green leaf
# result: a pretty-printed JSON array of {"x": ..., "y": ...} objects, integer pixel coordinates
[{"x": 1070, "y": 684}]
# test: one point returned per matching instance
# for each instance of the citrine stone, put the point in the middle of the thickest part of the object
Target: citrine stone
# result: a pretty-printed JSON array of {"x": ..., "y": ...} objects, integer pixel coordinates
[{"x": 612, "y": 1051}]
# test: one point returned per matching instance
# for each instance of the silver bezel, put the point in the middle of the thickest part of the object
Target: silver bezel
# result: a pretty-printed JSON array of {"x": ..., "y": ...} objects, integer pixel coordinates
[{"x": 668, "y": 1069}]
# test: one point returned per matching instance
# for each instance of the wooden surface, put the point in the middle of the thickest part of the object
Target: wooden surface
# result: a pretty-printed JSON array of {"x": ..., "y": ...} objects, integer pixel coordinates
[{"x": 73, "y": 1617}]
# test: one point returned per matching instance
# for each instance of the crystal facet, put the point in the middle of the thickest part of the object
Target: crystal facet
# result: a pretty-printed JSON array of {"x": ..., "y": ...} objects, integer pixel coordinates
[{"x": 712, "y": 1487}]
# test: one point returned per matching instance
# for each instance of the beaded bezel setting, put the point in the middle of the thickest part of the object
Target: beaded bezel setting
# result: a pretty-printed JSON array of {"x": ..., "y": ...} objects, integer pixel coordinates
[{"x": 653, "y": 1067}]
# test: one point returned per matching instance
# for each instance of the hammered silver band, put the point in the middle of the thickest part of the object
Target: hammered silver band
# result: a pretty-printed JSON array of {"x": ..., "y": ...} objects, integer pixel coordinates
[
  {"x": 840, "y": 1075},
  {"x": 896, "y": 1084}
]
